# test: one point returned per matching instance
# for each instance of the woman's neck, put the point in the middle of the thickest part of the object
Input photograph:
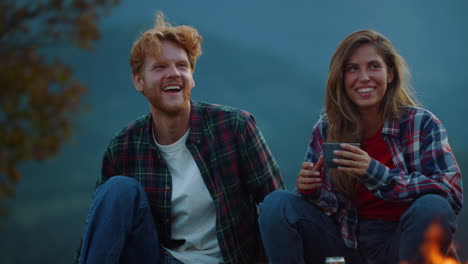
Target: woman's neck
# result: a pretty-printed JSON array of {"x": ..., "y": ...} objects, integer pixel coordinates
[{"x": 372, "y": 121}]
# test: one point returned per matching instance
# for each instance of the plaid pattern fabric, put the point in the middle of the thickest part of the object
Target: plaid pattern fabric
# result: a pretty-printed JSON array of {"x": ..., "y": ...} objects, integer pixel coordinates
[
  {"x": 235, "y": 163},
  {"x": 424, "y": 164}
]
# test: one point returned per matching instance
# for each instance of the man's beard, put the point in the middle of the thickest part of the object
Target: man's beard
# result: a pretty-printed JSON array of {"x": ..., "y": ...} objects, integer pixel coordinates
[{"x": 172, "y": 110}]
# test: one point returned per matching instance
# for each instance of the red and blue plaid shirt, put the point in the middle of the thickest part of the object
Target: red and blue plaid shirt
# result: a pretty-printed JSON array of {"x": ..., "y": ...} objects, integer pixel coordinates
[
  {"x": 424, "y": 164},
  {"x": 235, "y": 163}
]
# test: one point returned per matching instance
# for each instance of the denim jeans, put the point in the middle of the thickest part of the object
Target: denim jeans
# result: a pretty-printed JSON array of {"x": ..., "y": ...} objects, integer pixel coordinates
[
  {"x": 295, "y": 231},
  {"x": 120, "y": 227}
]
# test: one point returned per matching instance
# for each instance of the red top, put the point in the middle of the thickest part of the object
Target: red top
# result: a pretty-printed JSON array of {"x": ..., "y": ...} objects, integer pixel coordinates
[{"x": 370, "y": 206}]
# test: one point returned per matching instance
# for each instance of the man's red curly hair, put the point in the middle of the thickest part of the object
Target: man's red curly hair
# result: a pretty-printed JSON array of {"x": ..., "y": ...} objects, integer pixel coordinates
[{"x": 149, "y": 42}]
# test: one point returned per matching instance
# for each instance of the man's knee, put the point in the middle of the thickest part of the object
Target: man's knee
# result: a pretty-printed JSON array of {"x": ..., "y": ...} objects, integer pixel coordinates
[{"x": 120, "y": 188}]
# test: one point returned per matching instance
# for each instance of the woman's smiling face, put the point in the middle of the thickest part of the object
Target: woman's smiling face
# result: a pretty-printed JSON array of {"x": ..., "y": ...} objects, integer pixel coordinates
[{"x": 366, "y": 77}]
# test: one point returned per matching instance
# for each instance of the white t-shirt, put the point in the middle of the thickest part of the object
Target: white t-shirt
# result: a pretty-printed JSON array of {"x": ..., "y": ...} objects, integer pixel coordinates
[{"x": 193, "y": 211}]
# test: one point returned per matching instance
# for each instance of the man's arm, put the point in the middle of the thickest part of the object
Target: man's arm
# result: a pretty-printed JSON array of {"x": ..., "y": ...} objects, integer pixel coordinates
[{"x": 260, "y": 170}]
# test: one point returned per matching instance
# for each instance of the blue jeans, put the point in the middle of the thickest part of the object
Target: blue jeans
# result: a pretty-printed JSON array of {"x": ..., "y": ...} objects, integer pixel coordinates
[
  {"x": 295, "y": 231},
  {"x": 120, "y": 227}
]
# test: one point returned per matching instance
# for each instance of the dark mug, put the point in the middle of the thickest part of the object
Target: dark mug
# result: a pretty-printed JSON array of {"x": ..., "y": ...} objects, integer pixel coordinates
[{"x": 328, "y": 155}]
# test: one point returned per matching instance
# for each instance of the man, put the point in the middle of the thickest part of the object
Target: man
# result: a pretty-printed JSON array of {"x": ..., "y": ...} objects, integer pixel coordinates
[{"x": 182, "y": 183}]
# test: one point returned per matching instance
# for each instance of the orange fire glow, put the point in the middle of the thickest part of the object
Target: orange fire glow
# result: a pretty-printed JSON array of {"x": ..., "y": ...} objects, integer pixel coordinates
[{"x": 431, "y": 249}]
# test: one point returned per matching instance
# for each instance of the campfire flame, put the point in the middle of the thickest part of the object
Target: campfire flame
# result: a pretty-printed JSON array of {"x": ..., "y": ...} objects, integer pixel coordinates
[{"x": 430, "y": 249}]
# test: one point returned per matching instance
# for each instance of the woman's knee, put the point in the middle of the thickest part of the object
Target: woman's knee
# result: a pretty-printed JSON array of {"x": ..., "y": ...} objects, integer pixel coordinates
[
  {"x": 278, "y": 198},
  {"x": 432, "y": 208},
  {"x": 435, "y": 205},
  {"x": 274, "y": 205},
  {"x": 284, "y": 205}
]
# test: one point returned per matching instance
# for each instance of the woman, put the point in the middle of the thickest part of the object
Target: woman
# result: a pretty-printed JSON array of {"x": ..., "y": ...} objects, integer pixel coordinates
[{"x": 376, "y": 206}]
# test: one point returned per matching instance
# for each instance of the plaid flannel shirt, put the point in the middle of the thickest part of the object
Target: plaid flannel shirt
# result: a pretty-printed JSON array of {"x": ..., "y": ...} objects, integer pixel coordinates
[
  {"x": 424, "y": 164},
  {"x": 235, "y": 163}
]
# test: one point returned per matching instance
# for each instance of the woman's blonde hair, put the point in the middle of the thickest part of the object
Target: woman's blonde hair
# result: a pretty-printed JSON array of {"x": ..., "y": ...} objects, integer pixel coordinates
[
  {"x": 149, "y": 42},
  {"x": 343, "y": 116}
]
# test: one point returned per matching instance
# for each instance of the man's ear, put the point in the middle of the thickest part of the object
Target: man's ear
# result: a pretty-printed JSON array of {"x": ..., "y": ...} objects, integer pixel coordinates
[{"x": 138, "y": 81}]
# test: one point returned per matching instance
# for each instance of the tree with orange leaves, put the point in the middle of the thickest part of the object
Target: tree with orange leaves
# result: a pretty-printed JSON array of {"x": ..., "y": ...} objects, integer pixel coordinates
[{"x": 39, "y": 96}]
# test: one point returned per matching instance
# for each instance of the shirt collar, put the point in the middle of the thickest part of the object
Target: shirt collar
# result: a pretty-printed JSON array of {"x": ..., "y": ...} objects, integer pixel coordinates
[
  {"x": 196, "y": 122},
  {"x": 391, "y": 127}
]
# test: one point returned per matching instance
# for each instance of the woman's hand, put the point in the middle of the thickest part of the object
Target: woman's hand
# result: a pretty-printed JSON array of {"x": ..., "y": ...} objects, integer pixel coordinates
[
  {"x": 356, "y": 161},
  {"x": 309, "y": 178}
]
